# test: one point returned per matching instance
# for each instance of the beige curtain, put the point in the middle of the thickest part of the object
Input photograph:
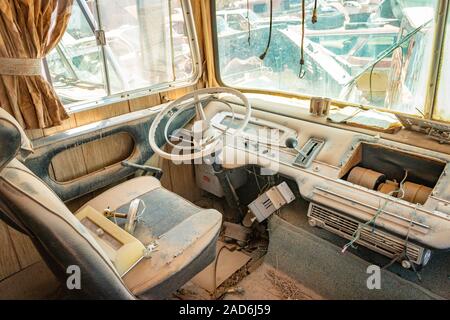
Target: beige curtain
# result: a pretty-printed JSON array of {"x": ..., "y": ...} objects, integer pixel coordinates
[{"x": 30, "y": 29}]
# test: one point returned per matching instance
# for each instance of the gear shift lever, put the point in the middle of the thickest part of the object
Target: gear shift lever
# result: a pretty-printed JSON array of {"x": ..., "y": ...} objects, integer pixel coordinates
[{"x": 292, "y": 143}]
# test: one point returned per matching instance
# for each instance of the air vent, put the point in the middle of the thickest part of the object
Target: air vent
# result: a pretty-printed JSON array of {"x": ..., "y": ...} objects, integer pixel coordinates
[{"x": 376, "y": 240}]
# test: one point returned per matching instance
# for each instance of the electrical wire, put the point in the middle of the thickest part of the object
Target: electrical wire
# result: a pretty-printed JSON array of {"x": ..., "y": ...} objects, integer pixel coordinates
[
  {"x": 257, "y": 180},
  {"x": 248, "y": 23},
  {"x": 370, "y": 83},
  {"x": 401, "y": 185},
  {"x": 270, "y": 181},
  {"x": 301, "y": 73},
  {"x": 387, "y": 52},
  {"x": 371, "y": 76},
  {"x": 314, "y": 15},
  {"x": 215, "y": 266},
  {"x": 357, "y": 234},
  {"x": 263, "y": 55},
  {"x": 404, "y": 252}
]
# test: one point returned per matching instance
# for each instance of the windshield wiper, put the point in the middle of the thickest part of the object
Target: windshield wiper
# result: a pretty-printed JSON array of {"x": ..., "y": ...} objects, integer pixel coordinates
[{"x": 387, "y": 52}]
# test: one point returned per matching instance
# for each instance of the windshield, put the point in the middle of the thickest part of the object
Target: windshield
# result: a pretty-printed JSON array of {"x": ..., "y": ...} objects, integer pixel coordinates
[
  {"x": 363, "y": 52},
  {"x": 253, "y": 17}
]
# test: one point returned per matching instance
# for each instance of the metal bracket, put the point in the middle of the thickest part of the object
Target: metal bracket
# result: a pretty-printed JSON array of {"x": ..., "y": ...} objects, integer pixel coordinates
[
  {"x": 152, "y": 247},
  {"x": 100, "y": 37},
  {"x": 156, "y": 172}
]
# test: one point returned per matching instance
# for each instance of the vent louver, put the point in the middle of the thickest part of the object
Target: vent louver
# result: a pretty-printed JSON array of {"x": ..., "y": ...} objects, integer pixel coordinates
[{"x": 376, "y": 240}]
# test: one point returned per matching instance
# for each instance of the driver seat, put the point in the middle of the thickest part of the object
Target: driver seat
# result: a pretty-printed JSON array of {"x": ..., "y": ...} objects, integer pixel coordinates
[{"x": 186, "y": 234}]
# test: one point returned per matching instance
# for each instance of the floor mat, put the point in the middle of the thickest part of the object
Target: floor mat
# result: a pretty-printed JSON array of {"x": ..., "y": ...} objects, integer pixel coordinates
[{"x": 319, "y": 264}]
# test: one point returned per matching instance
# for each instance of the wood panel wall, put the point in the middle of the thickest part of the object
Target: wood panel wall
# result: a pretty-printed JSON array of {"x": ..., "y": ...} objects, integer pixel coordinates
[{"x": 19, "y": 259}]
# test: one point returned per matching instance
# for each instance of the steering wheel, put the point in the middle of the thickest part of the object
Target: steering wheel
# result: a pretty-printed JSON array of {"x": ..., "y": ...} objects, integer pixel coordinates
[{"x": 204, "y": 138}]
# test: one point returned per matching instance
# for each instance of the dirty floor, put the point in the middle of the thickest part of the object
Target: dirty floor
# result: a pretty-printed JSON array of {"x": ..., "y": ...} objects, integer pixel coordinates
[{"x": 263, "y": 283}]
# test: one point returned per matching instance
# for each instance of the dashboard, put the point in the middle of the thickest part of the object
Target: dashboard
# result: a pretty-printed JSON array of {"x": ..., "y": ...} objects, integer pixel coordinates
[
  {"x": 323, "y": 178},
  {"x": 257, "y": 130}
]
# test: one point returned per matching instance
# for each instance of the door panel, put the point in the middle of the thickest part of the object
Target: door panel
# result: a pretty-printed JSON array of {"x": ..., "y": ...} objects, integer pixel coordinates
[{"x": 135, "y": 125}]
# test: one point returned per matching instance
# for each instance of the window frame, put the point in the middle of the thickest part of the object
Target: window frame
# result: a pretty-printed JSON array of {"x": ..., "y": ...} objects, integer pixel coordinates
[
  {"x": 145, "y": 91},
  {"x": 432, "y": 84},
  {"x": 438, "y": 48}
]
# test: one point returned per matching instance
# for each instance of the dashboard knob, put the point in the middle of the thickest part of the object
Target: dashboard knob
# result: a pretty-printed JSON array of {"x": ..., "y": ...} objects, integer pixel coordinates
[{"x": 291, "y": 142}]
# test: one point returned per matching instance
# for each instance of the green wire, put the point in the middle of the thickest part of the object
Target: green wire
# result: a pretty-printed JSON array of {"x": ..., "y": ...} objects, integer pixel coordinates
[{"x": 356, "y": 235}]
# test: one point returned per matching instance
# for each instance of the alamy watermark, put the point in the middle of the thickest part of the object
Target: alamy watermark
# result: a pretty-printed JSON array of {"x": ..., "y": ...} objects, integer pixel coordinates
[
  {"x": 373, "y": 282},
  {"x": 261, "y": 147},
  {"x": 73, "y": 281}
]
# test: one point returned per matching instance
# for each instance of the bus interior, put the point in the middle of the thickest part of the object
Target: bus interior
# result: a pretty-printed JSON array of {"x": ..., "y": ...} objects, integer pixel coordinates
[{"x": 224, "y": 149}]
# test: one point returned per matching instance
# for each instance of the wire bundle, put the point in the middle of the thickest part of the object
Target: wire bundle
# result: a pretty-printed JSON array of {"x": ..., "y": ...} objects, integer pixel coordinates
[
  {"x": 356, "y": 235},
  {"x": 302, "y": 44}
]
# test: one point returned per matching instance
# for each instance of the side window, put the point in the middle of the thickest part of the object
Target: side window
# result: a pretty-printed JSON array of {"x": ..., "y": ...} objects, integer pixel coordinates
[
  {"x": 76, "y": 65},
  {"x": 146, "y": 44}
]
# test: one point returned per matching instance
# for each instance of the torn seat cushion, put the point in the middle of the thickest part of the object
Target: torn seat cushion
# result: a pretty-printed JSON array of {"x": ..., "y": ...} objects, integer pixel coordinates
[{"x": 186, "y": 235}]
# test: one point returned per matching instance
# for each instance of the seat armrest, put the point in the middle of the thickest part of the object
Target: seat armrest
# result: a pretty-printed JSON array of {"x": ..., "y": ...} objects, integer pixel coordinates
[{"x": 156, "y": 172}]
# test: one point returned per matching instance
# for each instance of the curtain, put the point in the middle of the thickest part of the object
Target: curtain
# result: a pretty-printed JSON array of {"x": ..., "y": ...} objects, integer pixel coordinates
[{"x": 29, "y": 30}]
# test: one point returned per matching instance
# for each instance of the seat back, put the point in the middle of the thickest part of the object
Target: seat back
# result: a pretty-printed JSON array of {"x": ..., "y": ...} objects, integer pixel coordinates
[{"x": 30, "y": 206}]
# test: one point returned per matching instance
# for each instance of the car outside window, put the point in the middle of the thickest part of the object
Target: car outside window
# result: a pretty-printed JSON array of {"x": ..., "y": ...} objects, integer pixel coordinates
[
  {"x": 146, "y": 45},
  {"x": 352, "y": 42}
]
